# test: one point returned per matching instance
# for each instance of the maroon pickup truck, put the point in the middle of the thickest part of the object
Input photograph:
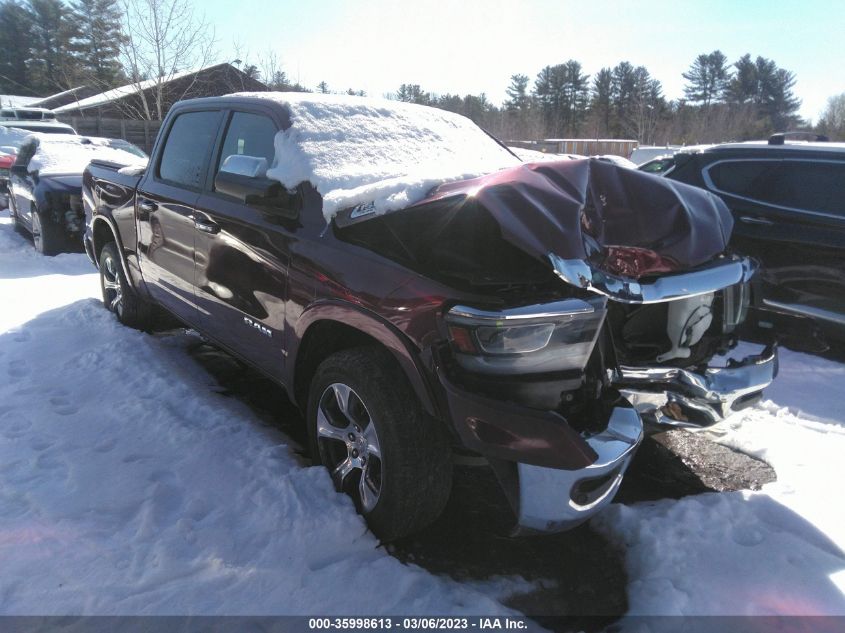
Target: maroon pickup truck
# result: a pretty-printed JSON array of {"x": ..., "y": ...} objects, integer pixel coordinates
[{"x": 419, "y": 292}]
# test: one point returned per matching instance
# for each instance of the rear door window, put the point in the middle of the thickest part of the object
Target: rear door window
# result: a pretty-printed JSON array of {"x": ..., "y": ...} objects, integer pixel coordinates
[
  {"x": 804, "y": 185},
  {"x": 187, "y": 148},
  {"x": 249, "y": 134}
]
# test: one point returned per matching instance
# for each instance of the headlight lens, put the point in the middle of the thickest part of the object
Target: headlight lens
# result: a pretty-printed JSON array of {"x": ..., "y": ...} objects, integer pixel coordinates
[
  {"x": 517, "y": 339},
  {"x": 530, "y": 339}
]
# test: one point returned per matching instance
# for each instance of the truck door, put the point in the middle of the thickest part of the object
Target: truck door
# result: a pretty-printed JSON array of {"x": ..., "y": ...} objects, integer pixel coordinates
[
  {"x": 165, "y": 209},
  {"x": 242, "y": 255}
]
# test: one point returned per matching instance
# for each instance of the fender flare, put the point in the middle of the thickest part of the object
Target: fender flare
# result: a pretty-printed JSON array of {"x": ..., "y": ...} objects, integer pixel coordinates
[
  {"x": 110, "y": 223},
  {"x": 374, "y": 326}
]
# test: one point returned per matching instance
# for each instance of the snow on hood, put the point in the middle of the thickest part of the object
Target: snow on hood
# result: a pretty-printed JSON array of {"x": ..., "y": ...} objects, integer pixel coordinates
[
  {"x": 357, "y": 150},
  {"x": 67, "y": 154}
]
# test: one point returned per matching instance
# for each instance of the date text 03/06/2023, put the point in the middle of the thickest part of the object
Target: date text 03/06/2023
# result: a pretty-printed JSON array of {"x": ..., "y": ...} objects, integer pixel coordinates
[{"x": 419, "y": 623}]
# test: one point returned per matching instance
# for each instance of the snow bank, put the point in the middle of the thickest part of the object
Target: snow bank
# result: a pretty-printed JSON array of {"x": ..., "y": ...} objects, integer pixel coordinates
[
  {"x": 68, "y": 154},
  {"x": 357, "y": 150},
  {"x": 129, "y": 487},
  {"x": 778, "y": 551}
]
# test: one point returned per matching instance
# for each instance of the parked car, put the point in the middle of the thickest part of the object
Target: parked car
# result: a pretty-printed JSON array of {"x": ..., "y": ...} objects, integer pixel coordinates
[
  {"x": 788, "y": 201},
  {"x": 27, "y": 114},
  {"x": 660, "y": 165},
  {"x": 45, "y": 186},
  {"x": 417, "y": 289},
  {"x": 647, "y": 153},
  {"x": 41, "y": 127},
  {"x": 10, "y": 140}
]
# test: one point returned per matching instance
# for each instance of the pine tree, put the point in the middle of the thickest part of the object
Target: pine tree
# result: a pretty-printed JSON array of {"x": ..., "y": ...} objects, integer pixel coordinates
[
  {"x": 708, "y": 78},
  {"x": 600, "y": 100},
  {"x": 16, "y": 43},
  {"x": 517, "y": 93},
  {"x": 621, "y": 97},
  {"x": 53, "y": 63},
  {"x": 98, "y": 40},
  {"x": 743, "y": 85}
]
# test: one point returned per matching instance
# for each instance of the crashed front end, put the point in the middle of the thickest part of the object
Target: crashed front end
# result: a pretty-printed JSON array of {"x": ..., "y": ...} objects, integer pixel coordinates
[{"x": 595, "y": 299}]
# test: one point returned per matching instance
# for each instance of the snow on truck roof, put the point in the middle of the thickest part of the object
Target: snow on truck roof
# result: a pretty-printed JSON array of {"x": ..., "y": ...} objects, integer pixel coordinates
[
  {"x": 69, "y": 154},
  {"x": 358, "y": 150}
]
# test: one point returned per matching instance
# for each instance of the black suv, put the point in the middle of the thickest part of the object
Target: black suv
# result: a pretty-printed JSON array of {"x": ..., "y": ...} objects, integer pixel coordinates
[{"x": 788, "y": 202}]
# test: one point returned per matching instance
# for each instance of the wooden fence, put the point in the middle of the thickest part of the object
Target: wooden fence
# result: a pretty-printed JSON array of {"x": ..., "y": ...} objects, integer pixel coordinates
[
  {"x": 141, "y": 133},
  {"x": 580, "y": 146}
]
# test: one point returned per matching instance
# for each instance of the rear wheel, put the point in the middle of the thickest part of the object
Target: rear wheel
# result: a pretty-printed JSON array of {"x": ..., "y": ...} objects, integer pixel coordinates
[
  {"x": 46, "y": 236},
  {"x": 368, "y": 429},
  {"x": 118, "y": 296}
]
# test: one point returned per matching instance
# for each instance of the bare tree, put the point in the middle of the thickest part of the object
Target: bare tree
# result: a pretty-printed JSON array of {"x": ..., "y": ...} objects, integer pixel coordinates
[{"x": 163, "y": 38}]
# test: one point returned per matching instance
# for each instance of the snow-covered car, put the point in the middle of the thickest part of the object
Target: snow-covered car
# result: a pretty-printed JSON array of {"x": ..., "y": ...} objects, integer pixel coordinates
[
  {"x": 417, "y": 290},
  {"x": 45, "y": 185}
]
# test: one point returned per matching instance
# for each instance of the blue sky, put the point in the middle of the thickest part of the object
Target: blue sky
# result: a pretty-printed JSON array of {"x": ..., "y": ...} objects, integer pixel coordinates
[{"x": 473, "y": 47}]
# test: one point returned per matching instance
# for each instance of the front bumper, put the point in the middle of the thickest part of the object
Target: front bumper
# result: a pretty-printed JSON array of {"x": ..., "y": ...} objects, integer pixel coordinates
[
  {"x": 553, "y": 500},
  {"x": 683, "y": 398},
  {"x": 553, "y": 477}
]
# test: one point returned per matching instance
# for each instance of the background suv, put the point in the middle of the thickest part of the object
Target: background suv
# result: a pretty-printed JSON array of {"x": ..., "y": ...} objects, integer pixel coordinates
[{"x": 788, "y": 202}]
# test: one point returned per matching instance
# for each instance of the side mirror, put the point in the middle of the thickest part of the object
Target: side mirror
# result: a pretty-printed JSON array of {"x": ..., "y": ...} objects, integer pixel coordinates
[
  {"x": 18, "y": 170},
  {"x": 244, "y": 178}
]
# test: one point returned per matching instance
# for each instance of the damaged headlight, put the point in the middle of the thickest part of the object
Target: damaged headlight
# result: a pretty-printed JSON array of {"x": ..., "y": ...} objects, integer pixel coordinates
[{"x": 530, "y": 339}]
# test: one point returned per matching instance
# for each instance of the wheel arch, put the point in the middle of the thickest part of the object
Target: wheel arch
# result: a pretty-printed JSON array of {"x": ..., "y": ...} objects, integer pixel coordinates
[
  {"x": 103, "y": 231},
  {"x": 332, "y": 326}
]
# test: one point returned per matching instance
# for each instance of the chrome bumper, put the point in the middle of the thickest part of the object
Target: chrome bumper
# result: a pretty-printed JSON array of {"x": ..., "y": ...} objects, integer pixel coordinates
[
  {"x": 682, "y": 398},
  {"x": 554, "y": 500}
]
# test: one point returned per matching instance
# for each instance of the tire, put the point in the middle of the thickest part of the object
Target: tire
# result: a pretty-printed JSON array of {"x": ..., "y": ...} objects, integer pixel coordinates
[
  {"x": 46, "y": 236},
  {"x": 402, "y": 485},
  {"x": 118, "y": 296},
  {"x": 19, "y": 227}
]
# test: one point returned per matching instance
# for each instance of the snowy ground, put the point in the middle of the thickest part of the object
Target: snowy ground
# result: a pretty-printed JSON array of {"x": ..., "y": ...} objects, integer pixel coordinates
[{"x": 127, "y": 486}]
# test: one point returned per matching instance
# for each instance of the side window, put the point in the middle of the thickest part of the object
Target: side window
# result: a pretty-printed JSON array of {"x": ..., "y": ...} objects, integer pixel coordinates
[
  {"x": 187, "y": 148},
  {"x": 746, "y": 178},
  {"x": 251, "y": 135},
  {"x": 794, "y": 184},
  {"x": 810, "y": 186}
]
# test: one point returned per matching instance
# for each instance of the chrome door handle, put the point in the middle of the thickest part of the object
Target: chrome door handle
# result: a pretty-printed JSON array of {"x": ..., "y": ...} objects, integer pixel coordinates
[
  {"x": 206, "y": 226},
  {"x": 750, "y": 219},
  {"x": 147, "y": 206}
]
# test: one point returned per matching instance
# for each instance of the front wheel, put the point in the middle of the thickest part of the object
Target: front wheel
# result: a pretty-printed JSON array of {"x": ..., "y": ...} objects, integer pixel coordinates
[
  {"x": 368, "y": 429},
  {"x": 118, "y": 296},
  {"x": 46, "y": 236}
]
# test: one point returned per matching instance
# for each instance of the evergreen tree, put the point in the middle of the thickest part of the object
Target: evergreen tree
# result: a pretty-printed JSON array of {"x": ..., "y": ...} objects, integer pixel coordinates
[
  {"x": 600, "y": 100},
  {"x": 16, "y": 43},
  {"x": 98, "y": 40},
  {"x": 562, "y": 93},
  {"x": 53, "y": 62},
  {"x": 412, "y": 93},
  {"x": 621, "y": 98},
  {"x": 708, "y": 78},
  {"x": 517, "y": 93},
  {"x": 323, "y": 88},
  {"x": 743, "y": 85}
]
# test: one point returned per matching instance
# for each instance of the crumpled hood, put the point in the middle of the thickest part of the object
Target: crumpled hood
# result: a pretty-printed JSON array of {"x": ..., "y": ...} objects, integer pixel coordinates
[{"x": 562, "y": 207}]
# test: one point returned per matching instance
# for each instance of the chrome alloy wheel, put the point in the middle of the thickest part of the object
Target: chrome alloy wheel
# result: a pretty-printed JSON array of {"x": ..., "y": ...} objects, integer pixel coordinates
[
  {"x": 349, "y": 446},
  {"x": 37, "y": 232},
  {"x": 112, "y": 290}
]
